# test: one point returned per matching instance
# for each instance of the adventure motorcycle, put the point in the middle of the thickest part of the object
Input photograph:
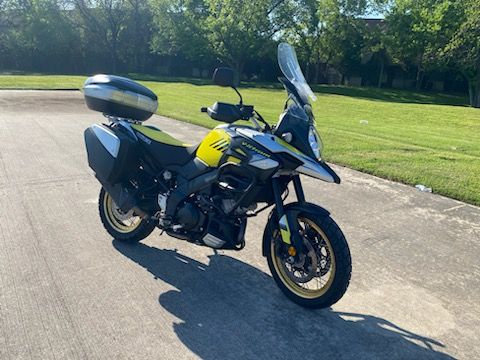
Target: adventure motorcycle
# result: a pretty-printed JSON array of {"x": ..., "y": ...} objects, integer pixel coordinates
[{"x": 205, "y": 193}]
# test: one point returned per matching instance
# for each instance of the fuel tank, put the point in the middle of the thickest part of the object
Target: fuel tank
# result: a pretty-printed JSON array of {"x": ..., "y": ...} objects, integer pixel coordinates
[{"x": 213, "y": 146}]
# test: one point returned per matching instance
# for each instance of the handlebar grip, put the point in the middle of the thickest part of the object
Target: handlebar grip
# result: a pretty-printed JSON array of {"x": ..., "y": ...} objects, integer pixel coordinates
[{"x": 203, "y": 109}]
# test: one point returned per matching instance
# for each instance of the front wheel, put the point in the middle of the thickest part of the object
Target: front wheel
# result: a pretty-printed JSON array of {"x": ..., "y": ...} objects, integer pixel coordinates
[
  {"x": 126, "y": 227},
  {"x": 321, "y": 277}
]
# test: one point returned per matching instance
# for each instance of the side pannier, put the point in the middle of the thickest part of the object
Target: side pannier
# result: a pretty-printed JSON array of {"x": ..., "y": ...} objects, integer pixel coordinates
[{"x": 111, "y": 153}]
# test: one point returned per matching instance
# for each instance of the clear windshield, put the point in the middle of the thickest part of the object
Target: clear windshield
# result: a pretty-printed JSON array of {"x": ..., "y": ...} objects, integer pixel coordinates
[{"x": 287, "y": 60}]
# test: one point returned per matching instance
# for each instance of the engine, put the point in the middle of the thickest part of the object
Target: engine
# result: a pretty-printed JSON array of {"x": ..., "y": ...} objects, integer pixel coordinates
[
  {"x": 202, "y": 219},
  {"x": 190, "y": 216},
  {"x": 214, "y": 216}
]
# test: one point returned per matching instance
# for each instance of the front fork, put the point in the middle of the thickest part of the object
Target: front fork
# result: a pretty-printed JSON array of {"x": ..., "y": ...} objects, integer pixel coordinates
[{"x": 288, "y": 224}]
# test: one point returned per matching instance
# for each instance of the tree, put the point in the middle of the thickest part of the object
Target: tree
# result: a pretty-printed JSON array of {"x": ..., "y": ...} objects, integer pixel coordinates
[
  {"x": 38, "y": 35},
  {"x": 463, "y": 47},
  {"x": 301, "y": 26},
  {"x": 233, "y": 31},
  {"x": 104, "y": 21},
  {"x": 376, "y": 47},
  {"x": 327, "y": 32},
  {"x": 343, "y": 36},
  {"x": 137, "y": 34},
  {"x": 5, "y": 26},
  {"x": 415, "y": 32},
  {"x": 179, "y": 29},
  {"x": 238, "y": 30}
]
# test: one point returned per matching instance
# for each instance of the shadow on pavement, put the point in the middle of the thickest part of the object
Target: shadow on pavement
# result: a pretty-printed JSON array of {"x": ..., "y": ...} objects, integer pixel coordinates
[{"x": 231, "y": 310}]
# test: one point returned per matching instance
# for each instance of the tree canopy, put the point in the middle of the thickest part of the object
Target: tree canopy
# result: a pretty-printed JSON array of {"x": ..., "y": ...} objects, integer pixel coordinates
[{"x": 422, "y": 40}]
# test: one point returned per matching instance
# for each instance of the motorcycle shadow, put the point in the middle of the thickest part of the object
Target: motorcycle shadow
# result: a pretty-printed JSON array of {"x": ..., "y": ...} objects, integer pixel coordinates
[{"x": 231, "y": 310}]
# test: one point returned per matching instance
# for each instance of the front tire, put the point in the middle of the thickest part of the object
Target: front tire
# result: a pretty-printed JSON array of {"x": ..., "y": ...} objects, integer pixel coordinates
[
  {"x": 123, "y": 227},
  {"x": 328, "y": 282}
]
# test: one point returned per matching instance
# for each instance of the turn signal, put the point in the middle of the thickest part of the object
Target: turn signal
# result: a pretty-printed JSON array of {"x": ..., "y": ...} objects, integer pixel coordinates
[{"x": 292, "y": 251}]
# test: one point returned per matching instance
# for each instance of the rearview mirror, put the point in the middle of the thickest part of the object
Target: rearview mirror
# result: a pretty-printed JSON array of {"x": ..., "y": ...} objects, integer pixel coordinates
[{"x": 224, "y": 76}]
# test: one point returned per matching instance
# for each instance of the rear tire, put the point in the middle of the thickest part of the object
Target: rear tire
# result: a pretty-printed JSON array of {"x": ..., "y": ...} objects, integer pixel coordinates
[
  {"x": 122, "y": 227},
  {"x": 339, "y": 265}
]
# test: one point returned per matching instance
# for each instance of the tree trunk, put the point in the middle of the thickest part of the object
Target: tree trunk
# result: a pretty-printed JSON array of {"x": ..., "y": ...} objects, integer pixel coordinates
[
  {"x": 308, "y": 71},
  {"x": 138, "y": 39},
  {"x": 380, "y": 76},
  {"x": 318, "y": 66},
  {"x": 317, "y": 72},
  {"x": 476, "y": 92},
  {"x": 113, "y": 56},
  {"x": 113, "y": 61},
  {"x": 324, "y": 72},
  {"x": 471, "y": 92},
  {"x": 419, "y": 78},
  {"x": 238, "y": 67},
  {"x": 474, "y": 87}
]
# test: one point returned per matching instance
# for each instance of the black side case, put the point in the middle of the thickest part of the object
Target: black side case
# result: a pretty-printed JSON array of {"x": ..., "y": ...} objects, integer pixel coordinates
[{"x": 109, "y": 169}]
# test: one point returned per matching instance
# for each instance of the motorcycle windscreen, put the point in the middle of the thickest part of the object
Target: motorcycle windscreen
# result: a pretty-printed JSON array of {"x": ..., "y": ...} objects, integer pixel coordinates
[{"x": 288, "y": 62}]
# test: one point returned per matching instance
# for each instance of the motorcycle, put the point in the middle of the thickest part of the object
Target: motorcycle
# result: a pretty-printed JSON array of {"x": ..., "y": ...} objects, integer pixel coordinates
[{"x": 206, "y": 193}]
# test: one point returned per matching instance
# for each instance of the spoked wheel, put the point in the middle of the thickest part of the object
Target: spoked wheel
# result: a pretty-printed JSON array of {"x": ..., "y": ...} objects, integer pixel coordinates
[
  {"x": 320, "y": 277},
  {"x": 122, "y": 226}
]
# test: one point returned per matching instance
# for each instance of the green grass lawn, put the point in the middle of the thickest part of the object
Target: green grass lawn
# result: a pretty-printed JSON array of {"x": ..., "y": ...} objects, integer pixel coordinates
[
  {"x": 53, "y": 82},
  {"x": 415, "y": 138}
]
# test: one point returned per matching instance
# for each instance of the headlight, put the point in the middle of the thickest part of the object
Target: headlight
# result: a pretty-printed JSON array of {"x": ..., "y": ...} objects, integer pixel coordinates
[{"x": 315, "y": 142}]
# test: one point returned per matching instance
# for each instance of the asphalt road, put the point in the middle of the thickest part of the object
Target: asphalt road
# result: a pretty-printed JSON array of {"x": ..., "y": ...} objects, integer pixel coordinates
[{"x": 68, "y": 291}]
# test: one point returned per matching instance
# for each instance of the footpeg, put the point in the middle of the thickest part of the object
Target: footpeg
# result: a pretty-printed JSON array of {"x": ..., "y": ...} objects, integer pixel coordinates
[{"x": 165, "y": 222}]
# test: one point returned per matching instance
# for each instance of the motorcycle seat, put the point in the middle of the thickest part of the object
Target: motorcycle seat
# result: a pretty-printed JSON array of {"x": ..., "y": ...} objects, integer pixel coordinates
[{"x": 166, "y": 149}]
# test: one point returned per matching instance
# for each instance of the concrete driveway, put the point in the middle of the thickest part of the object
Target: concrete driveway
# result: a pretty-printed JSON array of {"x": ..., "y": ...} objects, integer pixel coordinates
[{"x": 68, "y": 291}]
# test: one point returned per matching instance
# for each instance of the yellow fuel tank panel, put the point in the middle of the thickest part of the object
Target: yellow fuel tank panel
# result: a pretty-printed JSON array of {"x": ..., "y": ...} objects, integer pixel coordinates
[{"x": 213, "y": 146}]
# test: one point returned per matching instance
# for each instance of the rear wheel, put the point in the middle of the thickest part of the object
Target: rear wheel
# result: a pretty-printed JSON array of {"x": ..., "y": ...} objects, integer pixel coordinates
[
  {"x": 321, "y": 277},
  {"x": 122, "y": 226}
]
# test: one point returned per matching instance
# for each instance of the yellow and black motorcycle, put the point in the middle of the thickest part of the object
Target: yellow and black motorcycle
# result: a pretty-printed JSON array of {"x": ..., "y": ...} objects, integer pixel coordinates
[{"x": 205, "y": 193}]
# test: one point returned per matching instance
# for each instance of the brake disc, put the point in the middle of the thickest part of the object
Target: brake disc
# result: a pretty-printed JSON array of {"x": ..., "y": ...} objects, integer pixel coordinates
[
  {"x": 323, "y": 255},
  {"x": 324, "y": 260},
  {"x": 120, "y": 215}
]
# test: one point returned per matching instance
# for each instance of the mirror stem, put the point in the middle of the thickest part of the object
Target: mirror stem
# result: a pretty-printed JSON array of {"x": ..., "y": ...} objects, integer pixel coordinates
[{"x": 241, "y": 99}]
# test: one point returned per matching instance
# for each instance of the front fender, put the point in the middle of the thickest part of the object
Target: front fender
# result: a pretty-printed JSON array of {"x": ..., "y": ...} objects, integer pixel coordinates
[
  {"x": 296, "y": 208},
  {"x": 319, "y": 170}
]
